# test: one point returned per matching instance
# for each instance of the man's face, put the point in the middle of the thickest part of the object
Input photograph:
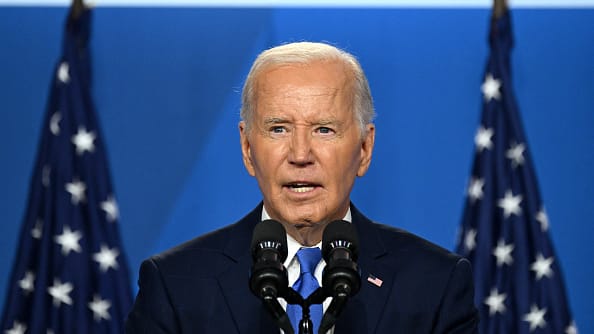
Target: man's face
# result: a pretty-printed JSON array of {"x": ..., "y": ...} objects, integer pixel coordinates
[{"x": 305, "y": 146}]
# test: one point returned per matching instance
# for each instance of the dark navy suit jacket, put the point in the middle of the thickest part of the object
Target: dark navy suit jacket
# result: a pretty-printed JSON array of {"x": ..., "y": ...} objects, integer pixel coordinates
[{"x": 201, "y": 286}]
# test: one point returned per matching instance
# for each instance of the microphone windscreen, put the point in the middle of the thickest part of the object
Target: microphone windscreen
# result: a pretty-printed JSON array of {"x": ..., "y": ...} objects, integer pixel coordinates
[
  {"x": 269, "y": 233},
  {"x": 343, "y": 233}
]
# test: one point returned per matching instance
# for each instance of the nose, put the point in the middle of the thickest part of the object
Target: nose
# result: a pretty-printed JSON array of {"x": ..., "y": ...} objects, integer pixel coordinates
[{"x": 300, "y": 153}]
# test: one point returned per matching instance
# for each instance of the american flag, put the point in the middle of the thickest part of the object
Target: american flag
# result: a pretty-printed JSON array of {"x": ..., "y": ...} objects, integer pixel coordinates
[
  {"x": 518, "y": 282},
  {"x": 375, "y": 281},
  {"x": 70, "y": 274}
]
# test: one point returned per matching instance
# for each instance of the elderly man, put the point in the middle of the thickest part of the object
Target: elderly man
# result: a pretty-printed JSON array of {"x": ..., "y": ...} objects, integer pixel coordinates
[{"x": 306, "y": 134}]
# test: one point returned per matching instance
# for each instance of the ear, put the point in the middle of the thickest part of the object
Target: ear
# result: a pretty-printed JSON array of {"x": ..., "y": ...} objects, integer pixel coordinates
[
  {"x": 246, "y": 149},
  {"x": 366, "y": 149}
]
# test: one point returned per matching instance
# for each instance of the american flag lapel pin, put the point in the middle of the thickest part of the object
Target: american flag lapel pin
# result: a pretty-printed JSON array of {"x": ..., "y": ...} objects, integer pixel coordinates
[{"x": 374, "y": 280}]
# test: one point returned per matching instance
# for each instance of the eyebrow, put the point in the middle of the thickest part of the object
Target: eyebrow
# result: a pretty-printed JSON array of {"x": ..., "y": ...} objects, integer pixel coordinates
[
  {"x": 327, "y": 122},
  {"x": 275, "y": 120},
  {"x": 322, "y": 122}
]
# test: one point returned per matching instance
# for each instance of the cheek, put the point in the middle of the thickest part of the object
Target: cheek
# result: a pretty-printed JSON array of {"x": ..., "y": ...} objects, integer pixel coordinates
[
  {"x": 350, "y": 158},
  {"x": 340, "y": 164},
  {"x": 267, "y": 159}
]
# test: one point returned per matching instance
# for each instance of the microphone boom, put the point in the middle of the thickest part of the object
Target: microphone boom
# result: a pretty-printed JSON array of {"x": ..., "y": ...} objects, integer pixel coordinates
[
  {"x": 269, "y": 279},
  {"x": 341, "y": 278}
]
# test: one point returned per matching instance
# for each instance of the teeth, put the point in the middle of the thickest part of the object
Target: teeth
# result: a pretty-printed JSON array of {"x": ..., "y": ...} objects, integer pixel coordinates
[{"x": 301, "y": 189}]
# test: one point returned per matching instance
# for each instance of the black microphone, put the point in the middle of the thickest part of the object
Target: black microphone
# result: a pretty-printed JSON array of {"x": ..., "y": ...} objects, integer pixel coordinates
[
  {"x": 341, "y": 278},
  {"x": 269, "y": 279}
]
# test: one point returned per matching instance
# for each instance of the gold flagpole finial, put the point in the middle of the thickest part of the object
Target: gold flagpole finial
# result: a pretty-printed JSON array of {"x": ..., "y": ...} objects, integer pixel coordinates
[
  {"x": 499, "y": 8},
  {"x": 76, "y": 9}
]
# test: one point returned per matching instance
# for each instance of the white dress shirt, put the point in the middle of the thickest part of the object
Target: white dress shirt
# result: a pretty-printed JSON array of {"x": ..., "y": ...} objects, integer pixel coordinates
[{"x": 293, "y": 267}]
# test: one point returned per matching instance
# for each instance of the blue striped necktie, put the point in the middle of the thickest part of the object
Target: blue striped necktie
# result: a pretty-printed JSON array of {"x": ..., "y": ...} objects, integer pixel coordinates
[{"x": 305, "y": 285}]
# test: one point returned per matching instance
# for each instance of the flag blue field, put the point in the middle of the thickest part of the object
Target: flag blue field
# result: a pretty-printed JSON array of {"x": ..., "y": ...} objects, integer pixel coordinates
[
  {"x": 70, "y": 274},
  {"x": 518, "y": 280}
]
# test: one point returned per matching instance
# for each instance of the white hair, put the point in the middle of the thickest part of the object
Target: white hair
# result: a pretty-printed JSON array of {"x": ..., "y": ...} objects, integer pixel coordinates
[{"x": 307, "y": 53}]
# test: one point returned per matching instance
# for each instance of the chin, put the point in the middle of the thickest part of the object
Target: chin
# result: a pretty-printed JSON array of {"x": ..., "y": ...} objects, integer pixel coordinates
[
  {"x": 300, "y": 224},
  {"x": 303, "y": 218}
]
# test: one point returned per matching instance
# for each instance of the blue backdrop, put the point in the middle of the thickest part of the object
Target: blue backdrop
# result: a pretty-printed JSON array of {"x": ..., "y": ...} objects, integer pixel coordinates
[{"x": 167, "y": 84}]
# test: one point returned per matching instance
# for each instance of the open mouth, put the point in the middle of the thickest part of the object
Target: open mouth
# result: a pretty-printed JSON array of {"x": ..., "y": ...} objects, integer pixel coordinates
[{"x": 301, "y": 187}]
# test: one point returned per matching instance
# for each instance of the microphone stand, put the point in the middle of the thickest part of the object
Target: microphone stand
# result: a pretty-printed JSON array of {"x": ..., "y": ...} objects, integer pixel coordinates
[
  {"x": 317, "y": 297},
  {"x": 293, "y": 297},
  {"x": 278, "y": 313},
  {"x": 335, "y": 307},
  {"x": 339, "y": 300}
]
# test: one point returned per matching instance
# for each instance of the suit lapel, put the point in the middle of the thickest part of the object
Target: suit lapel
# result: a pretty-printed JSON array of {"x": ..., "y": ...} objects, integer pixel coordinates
[
  {"x": 246, "y": 309},
  {"x": 364, "y": 310}
]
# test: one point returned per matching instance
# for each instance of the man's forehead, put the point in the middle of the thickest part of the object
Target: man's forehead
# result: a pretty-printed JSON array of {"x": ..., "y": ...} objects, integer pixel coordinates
[{"x": 329, "y": 74}]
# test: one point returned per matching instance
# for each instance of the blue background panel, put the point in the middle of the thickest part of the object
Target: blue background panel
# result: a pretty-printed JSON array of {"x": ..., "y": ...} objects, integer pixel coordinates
[{"x": 167, "y": 84}]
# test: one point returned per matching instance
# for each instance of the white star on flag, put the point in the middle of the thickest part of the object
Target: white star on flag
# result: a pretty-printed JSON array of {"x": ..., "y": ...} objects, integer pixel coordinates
[
  {"x": 77, "y": 189},
  {"x": 63, "y": 74},
  {"x": 17, "y": 328},
  {"x": 503, "y": 253},
  {"x": 510, "y": 204},
  {"x": 28, "y": 282},
  {"x": 516, "y": 154},
  {"x": 475, "y": 189},
  {"x": 543, "y": 219},
  {"x": 68, "y": 240},
  {"x": 495, "y": 301},
  {"x": 490, "y": 88},
  {"x": 106, "y": 258},
  {"x": 571, "y": 329},
  {"x": 55, "y": 123},
  {"x": 83, "y": 140},
  {"x": 100, "y": 308},
  {"x": 482, "y": 139},
  {"x": 535, "y": 317},
  {"x": 110, "y": 206},
  {"x": 470, "y": 239},
  {"x": 37, "y": 230},
  {"x": 542, "y": 266},
  {"x": 60, "y": 292}
]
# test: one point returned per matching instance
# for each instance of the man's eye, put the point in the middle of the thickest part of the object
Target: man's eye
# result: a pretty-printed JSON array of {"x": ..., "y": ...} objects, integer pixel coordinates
[
  {"x": 325, "y": 130},
  {"x": 277, "y": 129}
]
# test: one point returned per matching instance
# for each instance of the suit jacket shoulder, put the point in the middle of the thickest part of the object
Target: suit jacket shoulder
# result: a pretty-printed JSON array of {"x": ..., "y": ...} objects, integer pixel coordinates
[
  {"x": 408, "y": 283},
  {"x": 208, "y": 255},
  {"x": 411, "y": 250},
  {"x": 201, "y": 286}
]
